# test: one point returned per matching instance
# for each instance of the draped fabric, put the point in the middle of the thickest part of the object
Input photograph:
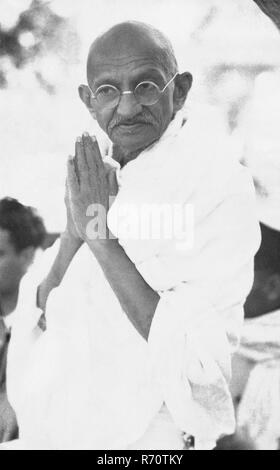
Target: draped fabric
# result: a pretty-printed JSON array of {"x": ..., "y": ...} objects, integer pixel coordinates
[
  {"x": 91, "y": 381},
  {"x": 259, "y": 409}
]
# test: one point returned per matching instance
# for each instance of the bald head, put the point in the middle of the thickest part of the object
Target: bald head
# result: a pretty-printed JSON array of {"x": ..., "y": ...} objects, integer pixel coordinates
[
  {"x": 130, "y": 37},
  {"x": 125, "y": 64}
]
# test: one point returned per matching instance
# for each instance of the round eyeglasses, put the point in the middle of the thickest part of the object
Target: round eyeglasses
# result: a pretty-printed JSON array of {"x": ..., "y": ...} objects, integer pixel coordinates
[{"x": 146, "y": 93}]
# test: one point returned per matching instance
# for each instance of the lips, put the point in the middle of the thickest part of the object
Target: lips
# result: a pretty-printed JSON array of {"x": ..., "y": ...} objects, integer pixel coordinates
[
  {"x": 130, "y": 127},
  {"x": 132, "y": 123}
]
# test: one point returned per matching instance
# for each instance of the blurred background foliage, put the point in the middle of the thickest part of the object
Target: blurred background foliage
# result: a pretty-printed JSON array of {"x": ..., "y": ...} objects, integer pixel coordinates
[{"x": 30, "y": 34}]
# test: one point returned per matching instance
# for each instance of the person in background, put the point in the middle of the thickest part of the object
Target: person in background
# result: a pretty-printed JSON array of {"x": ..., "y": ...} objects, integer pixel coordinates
[
  {"x": 22, "y": 232},
  {"x": 256, "y": 366}
]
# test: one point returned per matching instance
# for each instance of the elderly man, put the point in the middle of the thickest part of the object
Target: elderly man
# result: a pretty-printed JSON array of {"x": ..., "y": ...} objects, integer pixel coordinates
[{"x": 140, "y": 332}]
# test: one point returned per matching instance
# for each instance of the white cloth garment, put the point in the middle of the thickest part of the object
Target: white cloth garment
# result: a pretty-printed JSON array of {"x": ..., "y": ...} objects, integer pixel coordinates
[
  {"x": 9, "y": 320},
  {"x": 91, "y": 381},
  {"x": 259, "y": 410}
]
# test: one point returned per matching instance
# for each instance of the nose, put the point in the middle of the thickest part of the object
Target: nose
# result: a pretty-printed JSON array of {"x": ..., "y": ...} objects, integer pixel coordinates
[{"x": 128, "y": 107}]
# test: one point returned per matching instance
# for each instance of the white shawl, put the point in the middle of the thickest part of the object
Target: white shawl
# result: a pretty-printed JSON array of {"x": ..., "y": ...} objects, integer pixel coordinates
[{"x": 91, "y": 381}]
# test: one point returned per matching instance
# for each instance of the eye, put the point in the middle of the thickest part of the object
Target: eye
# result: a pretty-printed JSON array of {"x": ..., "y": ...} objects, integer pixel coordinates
[
  {"x": 147, "y": 93},
  {"x": 106, "y": 91},
  {"x": 146, "y": 87}
]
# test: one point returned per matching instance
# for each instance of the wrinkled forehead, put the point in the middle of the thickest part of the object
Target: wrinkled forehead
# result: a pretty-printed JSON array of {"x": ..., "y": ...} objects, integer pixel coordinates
[{"x": 125, "y": 54}]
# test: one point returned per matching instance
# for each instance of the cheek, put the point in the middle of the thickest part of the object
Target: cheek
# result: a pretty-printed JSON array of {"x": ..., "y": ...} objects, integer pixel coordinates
[
  {"x": 163, "y": 111},
  {"x": 5, "y": 274},
  {"x": 9, "y": 269},
  {"x": 169, "y": 106},
  {"x": 103, "y": 118}
]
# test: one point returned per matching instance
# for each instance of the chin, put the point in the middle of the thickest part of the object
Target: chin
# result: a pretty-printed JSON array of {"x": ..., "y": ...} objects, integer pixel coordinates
[{"x": 134, "y": 142}]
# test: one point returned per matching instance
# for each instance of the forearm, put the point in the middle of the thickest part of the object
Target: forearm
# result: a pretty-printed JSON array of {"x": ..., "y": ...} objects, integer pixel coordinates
[
  {"x": 136, "y": 297},
  {"x": 67, "y": 250}
]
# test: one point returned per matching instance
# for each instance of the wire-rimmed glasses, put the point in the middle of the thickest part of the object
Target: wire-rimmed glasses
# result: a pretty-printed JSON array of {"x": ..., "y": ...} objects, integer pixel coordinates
[{"x": 146, "y": 93}]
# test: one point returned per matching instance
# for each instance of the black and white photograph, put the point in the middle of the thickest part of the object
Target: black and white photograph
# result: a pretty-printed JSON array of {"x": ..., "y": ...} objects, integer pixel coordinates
[{"x": 139, "y": 227}]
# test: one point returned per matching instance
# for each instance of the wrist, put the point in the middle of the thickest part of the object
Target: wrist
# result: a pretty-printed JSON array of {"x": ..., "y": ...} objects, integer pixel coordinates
[
  {"x": 72, "y": 240},
  {"x": 100, "y": 245}
]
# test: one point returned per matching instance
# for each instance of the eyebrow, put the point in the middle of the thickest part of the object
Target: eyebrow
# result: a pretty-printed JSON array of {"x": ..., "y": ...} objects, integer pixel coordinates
[{"x": 149, "y": 74}]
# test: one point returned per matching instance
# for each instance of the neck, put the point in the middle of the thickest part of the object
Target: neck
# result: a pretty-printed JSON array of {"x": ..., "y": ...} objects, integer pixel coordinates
[
  {"x": 123, "y": 156},
  {"x": 8, "y": 302}
]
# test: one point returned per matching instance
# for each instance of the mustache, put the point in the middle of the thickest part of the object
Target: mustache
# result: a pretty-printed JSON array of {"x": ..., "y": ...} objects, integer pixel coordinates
[{"x": 142, "y": 118}]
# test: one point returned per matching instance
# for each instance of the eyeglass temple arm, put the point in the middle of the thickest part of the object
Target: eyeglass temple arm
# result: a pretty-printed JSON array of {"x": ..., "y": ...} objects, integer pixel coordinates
[{"x": 170, "y": 81}]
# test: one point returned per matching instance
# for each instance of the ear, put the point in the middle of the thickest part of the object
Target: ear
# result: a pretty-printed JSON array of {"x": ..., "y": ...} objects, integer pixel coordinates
[
  {"x": 85, "y": 95},
  {"x": 183, "y": 83},
  {"x": 272, "y": 288}
]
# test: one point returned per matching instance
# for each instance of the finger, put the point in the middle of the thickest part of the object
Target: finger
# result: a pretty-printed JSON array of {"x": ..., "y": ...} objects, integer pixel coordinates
[
  {"x": 81, "y": 160},
  {"x": 67, "y": 192},
  {"x": 97, "y": 152},
  {"x": 94, "y": 158},
  {"x": 75, "y": 159},
  {"x": 89, "y": 153},
  {"x": 72, "y": 184},
  {"x": 67, "y": 200}
]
